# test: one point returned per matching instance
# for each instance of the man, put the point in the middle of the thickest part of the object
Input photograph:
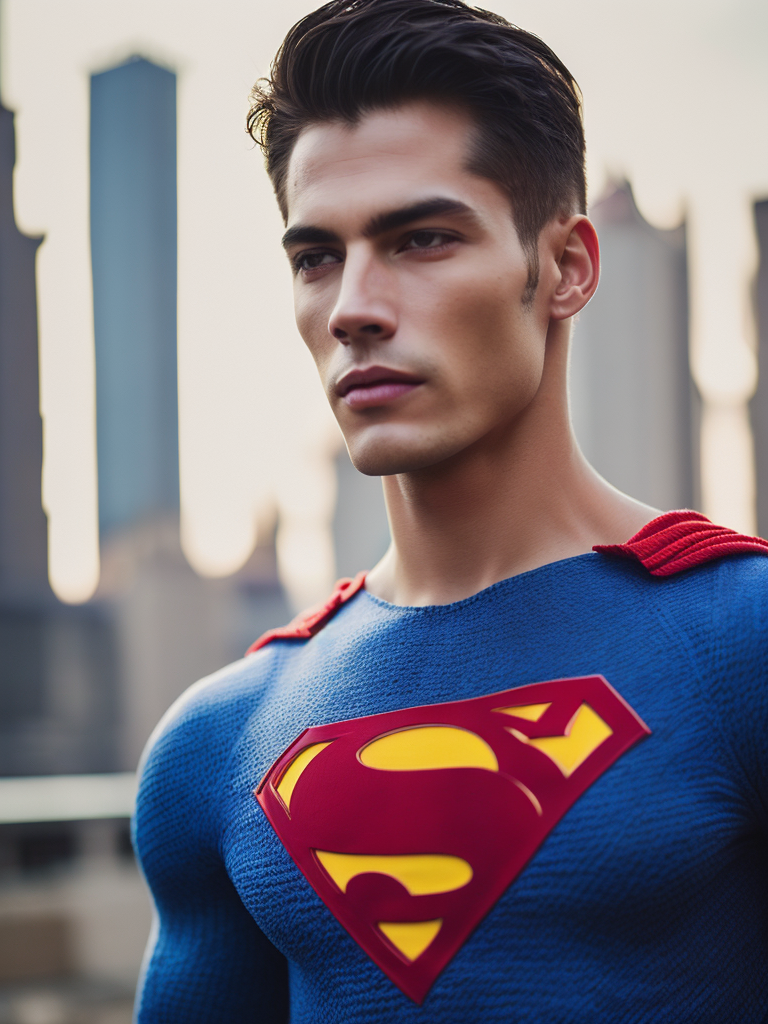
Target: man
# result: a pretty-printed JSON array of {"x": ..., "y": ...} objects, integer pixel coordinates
[{"x": 502, "y": 777}]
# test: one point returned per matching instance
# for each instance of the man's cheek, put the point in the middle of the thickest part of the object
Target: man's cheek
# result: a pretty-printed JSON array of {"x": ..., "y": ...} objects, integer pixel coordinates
[{"x": 314, "y": 332}]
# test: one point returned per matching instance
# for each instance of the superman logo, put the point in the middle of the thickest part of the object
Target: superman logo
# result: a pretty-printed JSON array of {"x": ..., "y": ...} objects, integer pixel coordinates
[{"x": 409, "y": 825}]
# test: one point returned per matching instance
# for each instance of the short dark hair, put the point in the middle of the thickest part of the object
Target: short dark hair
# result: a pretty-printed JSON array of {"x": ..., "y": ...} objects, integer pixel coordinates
[{"x": 350, "y": 57}]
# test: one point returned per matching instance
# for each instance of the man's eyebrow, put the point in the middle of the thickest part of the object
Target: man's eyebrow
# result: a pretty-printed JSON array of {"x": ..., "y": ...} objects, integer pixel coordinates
[
  {"x": 305, "y": 234},
  {"x": 393, "y": 219}
]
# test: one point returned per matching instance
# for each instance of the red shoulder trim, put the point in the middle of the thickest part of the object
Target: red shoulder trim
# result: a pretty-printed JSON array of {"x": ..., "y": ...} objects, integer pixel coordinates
[
  {"x": 680, "y": 540},
  {"x": 311, "y": 621}
]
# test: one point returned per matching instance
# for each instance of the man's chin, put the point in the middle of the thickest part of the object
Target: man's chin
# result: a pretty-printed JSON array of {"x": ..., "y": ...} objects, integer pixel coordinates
[{"x": 390, "y": 456}]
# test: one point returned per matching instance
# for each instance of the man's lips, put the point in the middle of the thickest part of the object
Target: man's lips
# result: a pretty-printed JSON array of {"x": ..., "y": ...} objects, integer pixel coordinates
[{"x": 375, "y": 385}]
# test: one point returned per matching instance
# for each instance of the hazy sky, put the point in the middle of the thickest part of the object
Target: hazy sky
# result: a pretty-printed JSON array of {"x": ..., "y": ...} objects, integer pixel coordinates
[{"x": 676, "y": 99}]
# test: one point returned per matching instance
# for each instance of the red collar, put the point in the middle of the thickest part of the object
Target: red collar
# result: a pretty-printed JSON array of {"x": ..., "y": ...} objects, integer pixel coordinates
[
  {"x": 681, "y": 540},
  {"x": 307, "y": 623}
]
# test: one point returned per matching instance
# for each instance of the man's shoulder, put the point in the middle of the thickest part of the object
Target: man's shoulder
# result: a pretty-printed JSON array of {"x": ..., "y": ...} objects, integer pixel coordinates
[
  {"x": 726, "y": 590},
  {"x": 698, "y": 572},
  {"x": 738, "y": 598},
  {"x": 205, "y": 721},
  {"x": 720, "y": 611},
  {"x": 181, "y": 770}
]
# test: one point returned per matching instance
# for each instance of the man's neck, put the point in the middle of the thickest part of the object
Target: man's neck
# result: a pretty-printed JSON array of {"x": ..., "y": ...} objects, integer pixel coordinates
[{"x": 509, "y": 504}]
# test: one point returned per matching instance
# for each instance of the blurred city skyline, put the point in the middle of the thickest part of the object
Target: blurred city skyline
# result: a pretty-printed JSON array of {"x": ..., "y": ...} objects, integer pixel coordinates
[
  {"x": 100, "y": 104},
  {"x": 673, "y": 95}
]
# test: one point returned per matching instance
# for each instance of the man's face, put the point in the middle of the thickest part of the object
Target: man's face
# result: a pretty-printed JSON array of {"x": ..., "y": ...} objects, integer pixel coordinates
[{"x": 409, "y": 286}]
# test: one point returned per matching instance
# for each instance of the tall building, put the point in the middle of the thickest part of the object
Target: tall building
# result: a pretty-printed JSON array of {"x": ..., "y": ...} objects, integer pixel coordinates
[
  {"x": 151, "y": 592},
  {"x": 172, "y": 626},
  {"x": 759, "y": 404},
  {"x": 133, "y": 246},
  {"x": 634, "y": 406},
  {"x": 23, "y": 524},
  {"x": 56, "y": 667}
]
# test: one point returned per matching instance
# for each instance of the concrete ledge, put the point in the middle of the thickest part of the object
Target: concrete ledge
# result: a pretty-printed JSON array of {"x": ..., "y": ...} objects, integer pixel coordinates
[{"x": 67, "y": 797}]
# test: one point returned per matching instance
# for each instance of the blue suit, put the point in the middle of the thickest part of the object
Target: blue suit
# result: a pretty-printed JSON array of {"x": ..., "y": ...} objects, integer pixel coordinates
[{"x": 648, "y": 900}]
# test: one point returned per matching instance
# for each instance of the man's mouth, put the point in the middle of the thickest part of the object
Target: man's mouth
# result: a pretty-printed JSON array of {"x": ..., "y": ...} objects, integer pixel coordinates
[{"x": 376, "y": 385}]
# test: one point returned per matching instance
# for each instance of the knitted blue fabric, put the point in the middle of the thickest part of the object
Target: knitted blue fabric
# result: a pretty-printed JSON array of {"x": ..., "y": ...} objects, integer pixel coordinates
[{"x": 647, "y": 902}]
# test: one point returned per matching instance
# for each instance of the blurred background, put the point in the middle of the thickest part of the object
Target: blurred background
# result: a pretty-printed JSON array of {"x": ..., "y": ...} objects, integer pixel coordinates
[{"x": 195, "y": 490}]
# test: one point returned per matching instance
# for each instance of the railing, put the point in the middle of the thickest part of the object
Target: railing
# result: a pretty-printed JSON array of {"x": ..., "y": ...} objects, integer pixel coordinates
[{"x": 67, "y": 797}]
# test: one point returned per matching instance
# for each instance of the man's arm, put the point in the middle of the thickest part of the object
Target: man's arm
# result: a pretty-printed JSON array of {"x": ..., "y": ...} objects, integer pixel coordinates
[{"x": 207, "y": 961}]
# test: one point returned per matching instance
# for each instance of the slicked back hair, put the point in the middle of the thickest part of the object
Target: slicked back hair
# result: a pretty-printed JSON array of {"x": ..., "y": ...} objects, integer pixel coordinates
[{"x": 351, "y": 57}]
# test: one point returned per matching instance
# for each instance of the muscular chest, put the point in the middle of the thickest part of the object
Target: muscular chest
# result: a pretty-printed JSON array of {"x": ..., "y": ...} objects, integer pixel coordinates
[{"x": 415, "y": 828}]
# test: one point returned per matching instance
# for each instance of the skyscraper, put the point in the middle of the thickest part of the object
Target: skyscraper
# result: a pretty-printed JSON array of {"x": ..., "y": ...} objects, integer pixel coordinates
[
  {"x": 23, "y": 525},
  {"x": 133, "y": 246},
  {"x": 56, "y": 667},
  {"x": 634, "y": 404},
  {"x": 172, "y": 626}
]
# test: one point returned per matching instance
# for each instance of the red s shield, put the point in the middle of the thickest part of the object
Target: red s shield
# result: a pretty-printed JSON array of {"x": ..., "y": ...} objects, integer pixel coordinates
[{"x": 409, "y": 825}]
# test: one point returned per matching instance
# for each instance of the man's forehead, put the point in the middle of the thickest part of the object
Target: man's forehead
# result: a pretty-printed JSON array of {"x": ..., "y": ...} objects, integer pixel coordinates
[{"x": 388, "y": 158}]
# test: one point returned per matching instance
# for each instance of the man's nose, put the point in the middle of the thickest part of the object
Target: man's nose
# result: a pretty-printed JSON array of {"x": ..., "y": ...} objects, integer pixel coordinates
[{"x": 365, "y": 308}]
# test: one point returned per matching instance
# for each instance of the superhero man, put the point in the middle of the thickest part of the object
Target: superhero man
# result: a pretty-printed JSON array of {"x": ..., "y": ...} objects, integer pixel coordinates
[{"x": 518, "y": 772}]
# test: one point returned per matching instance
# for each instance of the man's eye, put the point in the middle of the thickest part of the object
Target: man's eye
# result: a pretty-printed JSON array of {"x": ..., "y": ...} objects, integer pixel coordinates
[
  {"x": 427, "y": 240},
  {"x": 313, "y": 260}
]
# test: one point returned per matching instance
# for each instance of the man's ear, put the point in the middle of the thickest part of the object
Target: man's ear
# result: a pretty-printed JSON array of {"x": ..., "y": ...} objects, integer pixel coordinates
[{"x": 579, "y": 266}]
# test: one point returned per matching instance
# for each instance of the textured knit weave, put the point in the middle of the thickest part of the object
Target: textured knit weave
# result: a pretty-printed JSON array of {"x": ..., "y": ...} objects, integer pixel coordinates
[
  {"x": 647, "y": 902},
  {"x": 679, "y": 540}
]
